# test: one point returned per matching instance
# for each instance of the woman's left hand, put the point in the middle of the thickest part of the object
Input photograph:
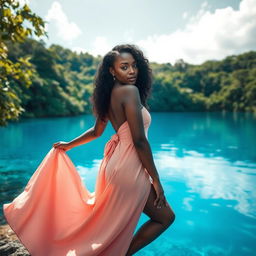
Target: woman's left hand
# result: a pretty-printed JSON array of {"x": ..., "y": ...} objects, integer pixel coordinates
[{"x": 62, "y": 145}]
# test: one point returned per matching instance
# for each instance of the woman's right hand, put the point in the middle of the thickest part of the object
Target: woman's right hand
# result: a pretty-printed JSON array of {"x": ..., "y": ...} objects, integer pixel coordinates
[
  {"x": 62, "y": 145},
  {"x": 160, "y": 198}
]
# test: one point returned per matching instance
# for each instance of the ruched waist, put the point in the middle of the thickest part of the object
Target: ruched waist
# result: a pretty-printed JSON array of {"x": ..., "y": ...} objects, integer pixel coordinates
[
  {"x": 111, "y": 145},
  {"x": 123, "y": 135}
]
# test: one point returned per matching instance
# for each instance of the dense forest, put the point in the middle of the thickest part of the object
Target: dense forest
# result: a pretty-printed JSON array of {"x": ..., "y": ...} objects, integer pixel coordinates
[
  {"x": 63, "y": 82},
  {"x": 36, "y": 81}
]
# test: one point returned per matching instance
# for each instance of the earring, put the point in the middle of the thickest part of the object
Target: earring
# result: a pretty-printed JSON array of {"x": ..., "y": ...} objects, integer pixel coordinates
[{"x": 114, "y": 77}]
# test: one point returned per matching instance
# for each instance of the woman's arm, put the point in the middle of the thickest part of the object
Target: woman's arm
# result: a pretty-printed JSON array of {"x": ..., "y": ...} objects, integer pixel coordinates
[
  {"x": 89, "y": 135},
  {"x": 85, "y": 137},
  {"x": 135, "y": 120}
]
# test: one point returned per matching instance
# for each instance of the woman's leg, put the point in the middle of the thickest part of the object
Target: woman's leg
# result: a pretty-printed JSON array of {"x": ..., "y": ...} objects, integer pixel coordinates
[{"x": 160, "y": 220}]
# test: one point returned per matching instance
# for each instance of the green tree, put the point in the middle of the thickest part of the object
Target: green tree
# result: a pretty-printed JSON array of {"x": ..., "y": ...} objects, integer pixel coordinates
[{"x": 15, "y": 73}]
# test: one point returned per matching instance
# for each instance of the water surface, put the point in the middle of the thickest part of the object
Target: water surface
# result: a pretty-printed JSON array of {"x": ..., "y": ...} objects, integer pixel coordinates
[{"x": 206, "y": 161}]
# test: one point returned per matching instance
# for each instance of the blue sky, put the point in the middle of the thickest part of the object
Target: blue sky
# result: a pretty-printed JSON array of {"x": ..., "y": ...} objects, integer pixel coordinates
[{"x": 166, "y": 30}]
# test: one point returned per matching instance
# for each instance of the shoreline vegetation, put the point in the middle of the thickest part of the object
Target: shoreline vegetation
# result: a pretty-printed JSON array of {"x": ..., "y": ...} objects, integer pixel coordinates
[
  {"x": 36, "y": 81},
  {"x": 62, "y": 83}
]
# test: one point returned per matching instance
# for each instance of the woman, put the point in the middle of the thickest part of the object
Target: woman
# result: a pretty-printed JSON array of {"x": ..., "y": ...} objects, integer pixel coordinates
[{"x": 100, "y": 223}]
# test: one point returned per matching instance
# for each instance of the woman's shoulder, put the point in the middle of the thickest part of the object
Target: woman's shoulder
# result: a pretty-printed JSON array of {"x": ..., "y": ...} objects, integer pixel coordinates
[
  {"x": 129, "y": 88},
  {"x": 125, "y": 90}
]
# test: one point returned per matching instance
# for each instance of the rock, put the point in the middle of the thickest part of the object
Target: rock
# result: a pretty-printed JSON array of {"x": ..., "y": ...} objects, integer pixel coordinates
[{"x": 10, "y": 244}]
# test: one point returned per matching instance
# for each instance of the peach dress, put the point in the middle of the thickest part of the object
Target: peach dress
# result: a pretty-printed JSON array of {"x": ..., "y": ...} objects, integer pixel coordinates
[{"x": 56, "y": 215}]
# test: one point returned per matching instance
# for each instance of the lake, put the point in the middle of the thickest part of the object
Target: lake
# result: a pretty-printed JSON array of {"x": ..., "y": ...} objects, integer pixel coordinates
[{"x": 206, "y": 162}]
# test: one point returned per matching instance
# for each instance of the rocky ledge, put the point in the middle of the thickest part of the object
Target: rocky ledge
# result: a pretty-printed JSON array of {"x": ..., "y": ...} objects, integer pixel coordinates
[{"x": 10, "y": 244}]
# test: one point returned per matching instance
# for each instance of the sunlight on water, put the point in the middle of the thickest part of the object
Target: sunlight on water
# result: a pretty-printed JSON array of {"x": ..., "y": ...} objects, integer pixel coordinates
[
  {"x": 213, "y": 178},
  {"x": 206, "y": 162}
]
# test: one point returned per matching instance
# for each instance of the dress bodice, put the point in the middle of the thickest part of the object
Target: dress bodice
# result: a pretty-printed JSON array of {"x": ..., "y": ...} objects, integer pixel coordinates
[
  {"x": 124, "y": 134},
  {"x": 124, "y": 130}
]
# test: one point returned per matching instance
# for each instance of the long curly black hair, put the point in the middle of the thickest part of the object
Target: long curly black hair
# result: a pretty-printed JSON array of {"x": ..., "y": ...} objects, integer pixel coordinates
[{"x": 104, "y": 82}]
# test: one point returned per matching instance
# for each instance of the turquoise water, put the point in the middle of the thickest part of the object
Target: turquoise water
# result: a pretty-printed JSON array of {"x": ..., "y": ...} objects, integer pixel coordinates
[{"x": 206, "y": 161}]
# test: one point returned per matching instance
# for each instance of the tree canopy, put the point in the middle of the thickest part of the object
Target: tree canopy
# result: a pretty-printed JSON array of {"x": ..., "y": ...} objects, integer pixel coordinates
[
  {"x": 15, "y": 74},
  {"x": 36, "y": 81}
]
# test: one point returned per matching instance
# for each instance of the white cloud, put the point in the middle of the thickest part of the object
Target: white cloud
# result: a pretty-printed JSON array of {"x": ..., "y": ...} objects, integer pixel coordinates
[
  {"x": 185, "y": 15},
  {"x": 204, "y": 5},
  {"x": 66, "y": 30},
  {"x": 206, "y": 36},
  {"x": 100, "y": 46},
  {"x": 128, "y": 35}
]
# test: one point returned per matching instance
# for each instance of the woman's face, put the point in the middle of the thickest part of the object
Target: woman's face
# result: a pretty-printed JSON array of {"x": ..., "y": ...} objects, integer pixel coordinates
[{"x": 125, "y": 69}]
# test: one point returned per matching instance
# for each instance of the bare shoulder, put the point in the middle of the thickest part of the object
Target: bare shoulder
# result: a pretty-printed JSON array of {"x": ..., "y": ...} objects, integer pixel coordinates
[
  {"x": 129, "y": 88},
  {"x": 129, "y": 91}
]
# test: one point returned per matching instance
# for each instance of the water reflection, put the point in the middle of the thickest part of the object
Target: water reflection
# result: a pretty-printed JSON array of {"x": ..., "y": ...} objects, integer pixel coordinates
[
  {"x": 214, "y": 177},
  {"x": 207, "y": 163},
  {"x": 213, "y": 134}
]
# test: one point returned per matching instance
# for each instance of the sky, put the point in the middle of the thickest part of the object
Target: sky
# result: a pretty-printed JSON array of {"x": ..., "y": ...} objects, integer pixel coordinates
[{"x": 165, "y": 30}]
